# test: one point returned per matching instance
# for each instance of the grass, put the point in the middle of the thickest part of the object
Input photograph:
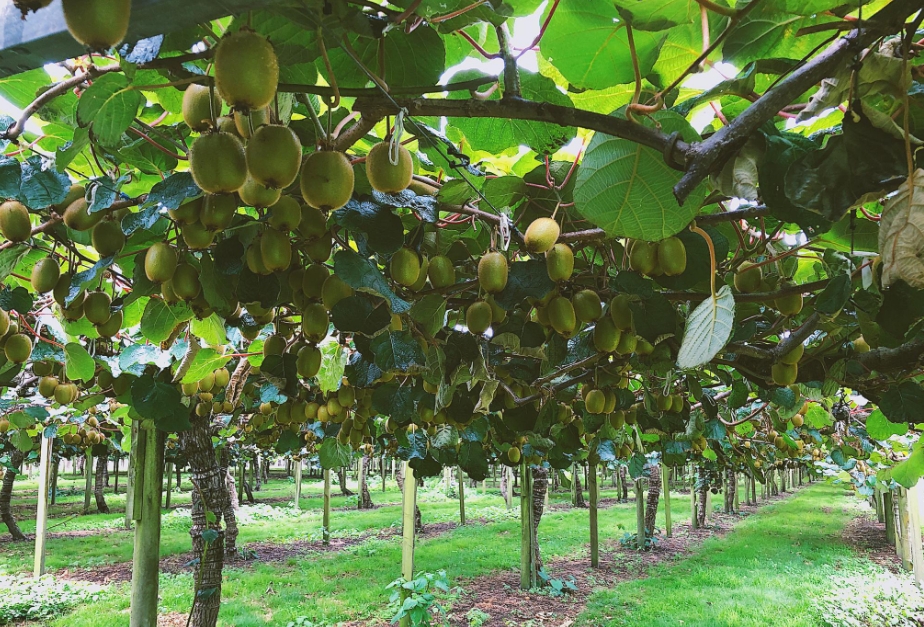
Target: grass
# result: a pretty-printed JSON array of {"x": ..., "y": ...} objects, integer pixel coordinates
[{"x": 772, "y": 570}]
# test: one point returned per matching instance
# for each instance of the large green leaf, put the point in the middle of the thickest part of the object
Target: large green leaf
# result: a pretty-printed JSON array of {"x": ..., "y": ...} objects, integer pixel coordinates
[
  {"x": 108, "y": 107},
  {"x": 160, "y": 319},
  {"x": 160, "y": 402},
  {"x": 11, "y": 256},
  {"x": 206, "y": 361},
  {"x": 910, "y": 471},
  {"x": 878, "y": 427},
  {"x": 708, "y": 329},
  {"x": 363, "y": 275},
  {"x": 625, "y": 188},
  {"x": 333, "y": 454},
  {"x": 903, "y": 403},
  {"x": 211, "y": 330},
  {"x": 658, "y": 14},
  {"x": 397, "y": 350},
  {"x": 78, "y": 363},
  {"x": 587, "y": 41},
  {"x": 333, "y": 364}
]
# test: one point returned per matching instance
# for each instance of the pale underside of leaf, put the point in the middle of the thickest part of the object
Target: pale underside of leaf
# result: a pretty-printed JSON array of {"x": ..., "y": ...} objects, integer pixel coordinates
[
  {"x": 901, "y": 234},
  {"x": 708, "y": 329}
]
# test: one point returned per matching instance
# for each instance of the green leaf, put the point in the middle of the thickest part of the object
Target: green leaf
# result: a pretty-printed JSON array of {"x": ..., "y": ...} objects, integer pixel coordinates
[
  {"x": 525, "y": 279},
  {"x": 10, "y": 257},
  {"x": 708, "y": 329},
  {"x": 205, "y": 361},
  {"x": 767, "y": 32},
  {"x": 211, "y": 330},
  {"x": 21, "y": 420},
  {"x": 333, "y": 454},
  {"x": 903, "y": 403},
  {"x": 818, "y": 417},
  {"x": 42, "y": 185},
  {"x": 333, "y": 364},
  {"x": 10, "y": 177},
  {"x": 910, "y": 471},
  {"x": 587, "y": 42},
  {"x": 78, "y": 362},
  {"x": 878, "y": 427},
  {"x": 397, "y": 351},
  {"x": 108, "y": 107},
  {"x": 361, "y": 313},
  {"x": 364, "y": 276},
  {"x": 82, "y": 280},
  {"x": 397, "y": 401},
  {"x": 430, "y": 313},
  {"x": 173, "y": 191},
  {"x": 657, "y": 14},
  {"x": 637, "y": 465},
  {"x": 160, "y": 402},
  {"x": 383, "y": 229},
  {"x": 22, "y": 440},
  {"x": 160, "y": 319},
  {"x": 625, "y": 188}
]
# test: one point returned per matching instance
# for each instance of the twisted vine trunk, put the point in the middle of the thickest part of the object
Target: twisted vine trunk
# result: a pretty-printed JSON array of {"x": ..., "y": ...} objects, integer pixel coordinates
[
  {"x": 731, "y": 487},
  {"x": 702, "y": 486},
  {"x": 255, "y": 472},
  {"x": 6, "y": 497},
  {"x": 578, "y": 488},
  {"x": 100, "y": 484},
  {"x": 210, "y": 500},
  {"x": 654, "y": 496},
  {"x": 231, "y": 506},
  {"x": 365, "y": 499},
  {"x": 624, "y": 484},
  {"x": 540, "y": 487},
  {"x": 341, "y": 481}
]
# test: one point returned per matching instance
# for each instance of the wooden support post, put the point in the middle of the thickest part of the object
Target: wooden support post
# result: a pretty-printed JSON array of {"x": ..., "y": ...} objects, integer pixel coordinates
[
  {"x": 594, "y": 498},
  {"x": 130, "y": 476},
  {"x": 146, "y": 556},
  {"x": 639, "y": 515},
  {"x": 708, "y": 506},
  {"x": 88, "y": 487},
  {"x": 240, "y": 479},
  {"x": 461, "y": 497},
  {"x": 914, "y": 532},
  {"x": 41, "y": 515},
  {"x": 902, "y": 537},
  {"x": 325, "y": 517},
  {"x": 509, "y": 495},
  {"x": 298, "y": 483},
  {"x": 169, "y": 488},
  {"x": 384, "y": 472},
  {"x": 666, "y": 489},
  {"x": 889, "y": 515},
  {"x": 115, "y": 471},
  {"x": 408, "y": 531},
  {"x": 528, "y": 573},
  {"x": 694, "y": 521}
]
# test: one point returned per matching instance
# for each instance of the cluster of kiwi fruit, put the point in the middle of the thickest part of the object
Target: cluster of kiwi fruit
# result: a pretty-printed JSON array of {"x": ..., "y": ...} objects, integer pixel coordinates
[
  {"x": 17, "y": 347},
  {"x": 673, "y": 403},
  {"x": 786, "y": 370},
  {"x": 205, "y": 391},
  {"x": 86, "y": 435},
  {"x": 749, "y": 279},
  {"x": 667, "y": 257}
]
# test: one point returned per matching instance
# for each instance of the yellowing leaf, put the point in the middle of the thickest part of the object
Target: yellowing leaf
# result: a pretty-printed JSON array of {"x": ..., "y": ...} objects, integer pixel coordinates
[{"x": 901, "y": 234}]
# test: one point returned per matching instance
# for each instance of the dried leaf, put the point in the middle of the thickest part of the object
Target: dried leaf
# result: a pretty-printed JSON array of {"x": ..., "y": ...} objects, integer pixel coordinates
[{"x": 901, "y": 234}]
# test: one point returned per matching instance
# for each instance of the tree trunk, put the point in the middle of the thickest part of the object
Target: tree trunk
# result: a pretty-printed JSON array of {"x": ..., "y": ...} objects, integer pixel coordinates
[
  {"x": 540, "y": 489},
  {"x": 731, "y": 488},
  {"x": 105, "y": 472},
  {"x": 399, "y": 479},
  {"x": 365, "y": 499},
  {"x": 210, "y": 500},
  {"x": 231, "y": 506},
  {"x": 256, "y": 474},
  {"x": 624, "y": 483},
  {"x": 101, "y": 464},
  {"x": 6, "y": 496},
  {"x": 578, "y": 489},
  {"x": 55, "y": 466},
  {"x": 654, "y": 496},
  {"x": 248, "y": 492},
  {"x": 702, "y": 487},
  {"x": 341, "y": 480}
]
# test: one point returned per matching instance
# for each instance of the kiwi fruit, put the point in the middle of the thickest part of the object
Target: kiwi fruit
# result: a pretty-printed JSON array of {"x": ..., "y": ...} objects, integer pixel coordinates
[
  {"x": 196, "y": 236},
  {"x": 514, "y": 455},
  {"x": 793, "y": 356},
  {"x": 246, "y": 70},
  {"x": 478, "y": 317},
  {"x": 383, "y": 175},
  {"x": 595, "y": 402},
  {"x": 201, "y": 105},
  {"x": 627, "y": 343},
  {"x": 96, "y": 307},
  {"x": 314, "y": 322},
  {"x": 587, "y": 306},
  {"x": 606, "y": 336},
  {"x": 541, "y": 235},
  {"x": 783, "y": 373},
  {"x": 47, "y": 385},
  {"x": 327, "y": 180},
  {"x": 274, "y": 345},
  {"x": 18, "y": 348},
  {"x": 748, "y": 278},
  {"x": 672, "y": 256},
  {"x": 245, "y": 123},
  {"x": 218, "y": 211},
  {"x": 107, "y": 238},
  {"x": 285, "y": 214},
  {"x": 405, "y": 267},
  {"x": 111, "y": 327},
  {"x": 4, "y": 323},
  {"x": 255, "y": 194},
  {"x": 643, "y": 257},
  {"x": 313, "y": 280},
  {"x": 789, "y": 305},
  {"x": 188, "y": 212},
  {"x": 78, "y": 217},
  {"x": 65, "y": 393},
  {"x": 254, "y": 258},
  {"x": 185, "y": 282},
  {"x": 97, "y": 24},
  {"x": 14, "y": 221},
  {"x": 160, "y": 262},
  {"x": 559, "y": 262},
  {"x": 492, "y": 272},
  {"x": 442, "y": 272},
  {"x": 620, "y": 312},
  {"x": 308, "y": 362},
  {"x": 333, "y": 291},
  {"x": 274, "y": 156},
  {"x": 561, "y": 315},
  {"x": 218, "y": 163},
  {"x": 276, "y": 250},
  {"x": 45, "y": 275}
]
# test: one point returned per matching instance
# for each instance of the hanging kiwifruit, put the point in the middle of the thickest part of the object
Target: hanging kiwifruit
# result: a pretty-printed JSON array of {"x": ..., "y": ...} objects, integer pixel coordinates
[
  {"x": 285, "y": 214},
  {"x": 672, "y": 256},
  {"x": 160, "y": 262},
  {"x": 188, "y": 212},
  {"x": 254, "y": 194},
  {"x": 748, "y": 277},
  {"x": 107, "y": 238},
  {"x": 218, "y": 163},
  {"x": 78, "y": 217},
  {"x": 561, "y": 315},
  {"x": 185, "y": 282},
  {"x": 45, "y": 275},
  {"x": 308, "y": 362},
  {"x": 18, "y": 348},
  {"x": 218, "y": 211},
  {"x": 541, "y": 235},
  {"x": 196, "y": 236},
  {"x": 313, "y": 280},
  {"x": 385, "y": 176},
  {"x": 112, "y": 326},
  {"x": 246, "y": 70},
  {"x": 333, "y": 291},
  {"x": 97, "y": 306},
  {"x": 643, "y": 257},
  {"x": 327, "y": 180},
  {"x": 276, "y": 249},
  {"x": 47, "y": 385},
  {"x": 314, "y": 322},
  {"x": 478, "y": 317},
  {"x": 442, "y": 272},
  {"x": 14, "y": 221},
  {"x": 247, "y": 122},
  {"x": 587, "y": 306},
  {"x": 201, "y": 106},
  {"x": 492, "y": 272},
  {"x": 274, "y": 156},
  {"x": 404, "y": 267},
  {"x": 559, "y": 262},
  {"x": 97, "y": 24}
]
